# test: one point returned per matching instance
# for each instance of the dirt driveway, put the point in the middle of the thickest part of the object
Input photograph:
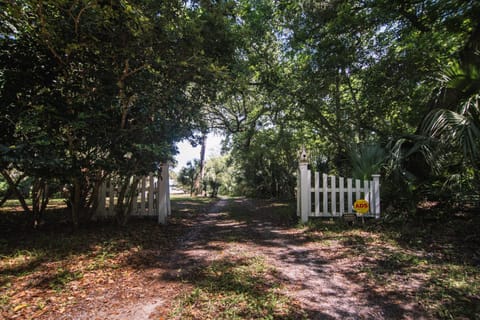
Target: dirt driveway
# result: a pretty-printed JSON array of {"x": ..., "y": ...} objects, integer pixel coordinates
[{"x": 323, "y": 279}]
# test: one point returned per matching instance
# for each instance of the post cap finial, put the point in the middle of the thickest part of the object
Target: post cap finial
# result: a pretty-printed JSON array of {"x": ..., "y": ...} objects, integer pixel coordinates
[{"x": 303, "y": 155}]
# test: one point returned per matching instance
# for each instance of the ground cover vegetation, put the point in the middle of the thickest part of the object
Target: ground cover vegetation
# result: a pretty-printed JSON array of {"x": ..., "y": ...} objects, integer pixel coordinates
[
  {"x": 44, "y": 273},
  {"x": 59, "y": 274}
]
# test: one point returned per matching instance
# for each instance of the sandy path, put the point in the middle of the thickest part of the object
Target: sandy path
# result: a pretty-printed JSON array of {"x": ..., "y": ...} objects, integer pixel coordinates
[{"x": 323, "y": 277}]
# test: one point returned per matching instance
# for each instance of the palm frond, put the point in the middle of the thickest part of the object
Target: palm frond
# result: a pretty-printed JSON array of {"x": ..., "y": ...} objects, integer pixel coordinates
[
  {"x": 458, "y": 129},
  {"x": 366, "y": 160},
  {"x": 406, "y": 147},
  {"x": 462, "y": 78}
]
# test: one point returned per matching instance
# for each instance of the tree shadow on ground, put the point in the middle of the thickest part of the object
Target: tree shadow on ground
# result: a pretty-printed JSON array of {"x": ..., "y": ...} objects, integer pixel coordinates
[
  {"x": 191, "y": 250},
  {"x": 294, "y": 251}
]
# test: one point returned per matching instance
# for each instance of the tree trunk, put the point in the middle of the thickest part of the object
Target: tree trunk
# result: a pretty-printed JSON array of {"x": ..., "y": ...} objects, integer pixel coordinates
[
  {"x": 75, "y": 198},
  {"x": 13, "y": 185},
  {"x": 40, "y": 198},
  {"x": 92, "y": 203},
  {"x": 125, "y": 199},
  {"x": 201, "y": 174}
]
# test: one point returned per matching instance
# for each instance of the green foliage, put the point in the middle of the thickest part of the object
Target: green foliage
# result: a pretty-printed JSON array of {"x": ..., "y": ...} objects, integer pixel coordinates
[
  {"x": 335, "y": 75},
  {"x": 217, "y": 174},
  {"x": 267, "y": 165},
  {"x": 96, "y": 89},
  {"x": 366, "y": 160},
  {"x": 458, "y": 129},
  {"x": 188, "y": 175},
  {"x": 366, "y": 73}
]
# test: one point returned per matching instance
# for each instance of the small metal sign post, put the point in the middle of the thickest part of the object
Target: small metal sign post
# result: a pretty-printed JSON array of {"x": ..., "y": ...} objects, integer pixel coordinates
[{"x": 361, "y": 206}]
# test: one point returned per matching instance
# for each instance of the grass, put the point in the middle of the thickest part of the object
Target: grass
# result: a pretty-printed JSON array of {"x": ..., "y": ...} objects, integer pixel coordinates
[
  {"x": 275, "y": 212},
  {"x": 14, "y": 203},
  {"x": 236, "y": 288},
  {"x": 453, "y": 291},
  {"x": 49, "y": 270},
  {"x": 436, "y": 261},
  {"x": 185, "y": 206}
]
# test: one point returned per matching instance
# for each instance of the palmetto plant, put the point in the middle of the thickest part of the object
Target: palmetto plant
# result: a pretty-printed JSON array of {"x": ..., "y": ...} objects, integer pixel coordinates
[
  {"x": 445, "y": 151},
  {"x": 459, "y": 127},
  {"x": 366, "y": 160}
]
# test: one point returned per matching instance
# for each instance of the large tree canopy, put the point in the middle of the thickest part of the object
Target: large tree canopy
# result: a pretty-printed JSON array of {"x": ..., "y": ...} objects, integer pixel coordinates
[
  {"x": 92, "y": 88},
  {"x": 348, "y": 78},
  {"x": 96, "y": 88}
]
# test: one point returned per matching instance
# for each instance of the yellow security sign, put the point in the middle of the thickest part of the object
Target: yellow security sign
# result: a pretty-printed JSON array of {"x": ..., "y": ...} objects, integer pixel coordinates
[{"x": 361, "y": 206}]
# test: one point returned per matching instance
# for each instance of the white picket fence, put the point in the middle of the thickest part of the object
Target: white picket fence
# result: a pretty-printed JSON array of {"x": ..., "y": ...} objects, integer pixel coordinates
[
  {"x": 152, "y": 199},
  {"x": 329, "y": 196}
]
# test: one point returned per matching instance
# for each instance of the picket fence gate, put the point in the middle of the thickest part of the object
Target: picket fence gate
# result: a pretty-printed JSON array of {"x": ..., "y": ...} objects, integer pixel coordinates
[
  {"x": 331, "y": 198},
  {"x": 152, "y": 198}
]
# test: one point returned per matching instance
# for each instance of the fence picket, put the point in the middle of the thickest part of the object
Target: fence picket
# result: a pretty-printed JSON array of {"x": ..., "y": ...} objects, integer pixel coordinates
[
  {"x": 341, "y": 185},
  {"x": 366, "y": 190},
  {"x": 349, "y": 196},
  {"x": 357, "y": 189},
  {"x": 309, "y": 194},
  {"x": 154, "y": 197},
  {"x": 151, "y": 190},
  {"x": 317, "y": 194},
  {"x": 325, "y": 194},
  {"x": 102, "y": 195},
  {"x": 135, "y": 210},
  {"x": 333, "y": 195},
  {"x": 143, "y": 190},
  {"x": 376, "y": 195},
  {"x": 299, "y": 191},
  {"x": 328, "y": 193}
]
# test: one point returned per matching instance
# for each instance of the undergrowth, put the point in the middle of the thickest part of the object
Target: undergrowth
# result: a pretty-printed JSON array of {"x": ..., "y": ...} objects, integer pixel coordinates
[{"x": 236, "y": 288}]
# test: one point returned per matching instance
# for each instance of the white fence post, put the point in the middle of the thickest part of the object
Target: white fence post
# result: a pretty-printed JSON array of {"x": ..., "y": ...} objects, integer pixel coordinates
[
  {"x": 142, "y": 196},
  {"x": 317, "y": 194},
  {"x": 299, "y": 193},
  {"x": 163, "y": 198},
  {"x": 341, "y": 195},
  {"x": 151, "y": 190},
  {"x": 304, "y": 190},
  {"x": 305, "y": 206}
]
